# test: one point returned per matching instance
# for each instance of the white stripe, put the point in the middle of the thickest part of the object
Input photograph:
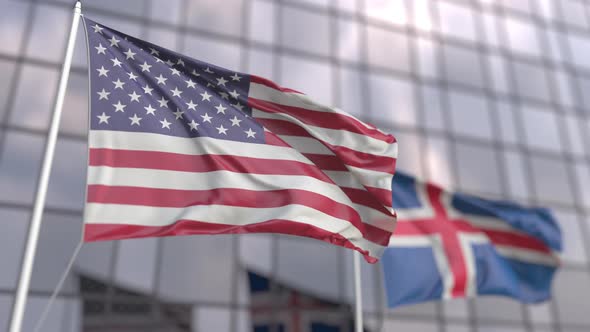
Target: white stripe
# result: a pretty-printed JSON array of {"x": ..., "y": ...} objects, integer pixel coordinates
[
  {"x": 165, "y": 179},
  {"x": 354, "y": 141},
  {"x": 306, "y": 144},
  {"x": 97, "y": 213},
  {"x": 528, "y": 256},
  {"x": 193, "y": 146},
  {"x": 370, "y": 178}
]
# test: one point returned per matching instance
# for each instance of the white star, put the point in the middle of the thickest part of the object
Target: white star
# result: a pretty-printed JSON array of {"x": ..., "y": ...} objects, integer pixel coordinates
[
  {"x": 235, "y": 121},
  {"x": 145, "y": 67},
  {"x": 209, "y": 85},
  {"x": 224, "y": 95},
  {"x": 169, "y": 63},
  {"x": 194, "y": 73},
  {"x": 161, "y": 79},
  {"x": 206, "y": 118},
  {"x": 134, "y": 96},
  {"x": 220, "y": 109},
  {"x": 135, "y": 119},
  {"x": 116, "y": 62},
  {"x": 154, "y": 51},
  {"x": 234, "y": 94},
  {"x": 238, "y": 106},
  {"x": 250, "y": 133},
  {"x": 132, "y": 76},
  {"x": 165, "y": 124},
  {"x": 221, "y": 130},
  {"x": 97, "y": 28},
  {"x": 114, "y": 41},
  {"x": 150, "y": 110},
  {"x": 103, "y": 95},
  {"x": 206, "y": 96},
  {"x": 163, "y": 102},
  {"x": 100, "y": 49},
  {"x": 158, "y": 60},
  {"x": 103, "y": 118},
  {"x": 191, "y": 105},
  {"x": 175, "y": 71},
  {"x": 190, "y": 84},
  {"x": 118, "y": 84},
  {"x": 207, "y": 70},
  {"x": 178, "y": 113},
  {"x": 176, "y": 92},
  {"x": 235, "y": 77},
  {"x": 130, "y": 54},
  {"x": 180, "y": 62},
  {"x": 221, "y": 81},
  {"x": 119, "y": 107},
  {"x": 102, "y": 71},
  {"x": 147, "y": 90},
  {"x": 192, "y": 124}
]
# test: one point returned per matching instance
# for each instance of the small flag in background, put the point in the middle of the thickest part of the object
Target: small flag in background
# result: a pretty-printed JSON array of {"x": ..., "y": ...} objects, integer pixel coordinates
[
  {"x": 276, "y": 308},
  {"x": 179, "y": 147},
  {"x": 449, "y": 245}
]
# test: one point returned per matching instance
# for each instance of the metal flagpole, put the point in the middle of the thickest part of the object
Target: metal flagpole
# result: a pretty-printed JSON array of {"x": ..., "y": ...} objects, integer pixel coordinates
[
  {"x": 358, "y": 296},
  {"x": 18, "y": 309}
]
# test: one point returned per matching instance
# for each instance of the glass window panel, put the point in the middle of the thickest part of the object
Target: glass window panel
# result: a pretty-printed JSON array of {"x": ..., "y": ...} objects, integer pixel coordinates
[
  {"x": 12, "y": 26},
  {"x": 576, "y": 144},
  {"x": 427, "y": 58},
  {"x": 431, "y": 106},
  {"x": 457, "y": 21},
  {"x": 165, "y": 38},
  {"x": 315, "y": 3},
  {"x": 19, "y": 166},
  {"x": 210, "y": 16},
  {"x": 68, "y": 175},
  {"x": 259, "y": 63},
  {"x": 15, "y": 225},
  {"x": 499, "y": 328},
  {"x": 409, "y": 326},
  {"x": 456, "y": 308},
  {"x": 457, "y": 328},
  {"x": 531, "y": 81},
  {"x": 34, "y": 101},
  {"x": 522, "y": 36},
  {"x": 438, "y": 162},
  {"x": 580, "y": 50},
  {"x": 573, "y": 246},
  {"x": 388, "y": 49},
  {"x": 583, "y": 179},
  {"x": 166, "y": 11},
  {"x": 262, "y": 21},
  {"x": 498, "y": 308},
  {"x": 519, "y": 5},
  {"x": 6, "y": 80},
  {"x": 547, "y": 8},
  {"x": 392, "y": 101},
  {"x": 516, "y": 177},
  {"x": 550, "y": 179},
  {"x": 96, "y": 259},
  {"x": 219, "y": 53},
  {"x": 572, "y": 293},
  {"x": 387, "y": 10},
  {"x": 505, "y": 114},
  {"x": 132, "y": 7},
  {"x": 59, "y": 237},
  {"x": 574, "y": 13},
  {"x": 305, "y": 31},
  {"x": 556, "y": 51},
  {"x": 410, "y": 157},
  {"x": 346, "y": 5},
  {"x": 212, "y": 319},
  {"x": 463, "y": 66},
  {"x": 48, "y": 39},
  {"x": 540, "y": 313},
  {"x": 540, "y": 128},
  {"x": 351, "y": 99},
  {"x": 584, "y": 85},
  {"x": 256, "y": 252},
  {"x": 472, "y": 162},
  {"x": 566, "y": 96},
  {"x": 54, "y": 321},
  {"x": 490, "y": 24},
  {"x": 470, "y": 115},
  {"x": 75, "y": 111},
  {"x": 425, "y": 309},
  {"x": 135, "y": 264},
  {"x": 499, "y": 78},
  {"x": 311, "y": 78},
  {"x": 348, "y": 40},
  {"x": 5, "y": 311},
  {"x": 422, "y": 15}
]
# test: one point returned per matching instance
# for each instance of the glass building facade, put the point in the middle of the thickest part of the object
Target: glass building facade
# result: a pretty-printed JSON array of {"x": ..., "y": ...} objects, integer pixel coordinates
[{"x": 487, "y": 97}]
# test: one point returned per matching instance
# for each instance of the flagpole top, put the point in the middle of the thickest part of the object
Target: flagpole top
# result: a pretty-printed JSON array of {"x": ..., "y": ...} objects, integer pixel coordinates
[{"x": 78, "y": 6}]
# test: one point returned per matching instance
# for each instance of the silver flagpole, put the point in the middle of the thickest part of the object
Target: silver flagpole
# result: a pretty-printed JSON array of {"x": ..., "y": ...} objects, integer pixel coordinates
[
  {"x": 18, "y": 309},
  {"x": 358, "y": 295}
]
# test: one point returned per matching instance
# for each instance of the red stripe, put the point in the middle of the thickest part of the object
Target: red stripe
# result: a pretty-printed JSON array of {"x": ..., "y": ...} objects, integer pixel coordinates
[
  {"x": 234, "y": 197},
  {"x": 348, "y": 156},
  {"x": 100, "y": 232},
  {"x": 330, "y": 120},
  {"x": 202, "y": 163},
  {"x": 270, "y": 84}
]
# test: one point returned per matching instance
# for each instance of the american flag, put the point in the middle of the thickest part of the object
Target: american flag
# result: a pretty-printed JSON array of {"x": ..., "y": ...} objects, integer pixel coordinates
[{"x": 179, "y": 147}]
